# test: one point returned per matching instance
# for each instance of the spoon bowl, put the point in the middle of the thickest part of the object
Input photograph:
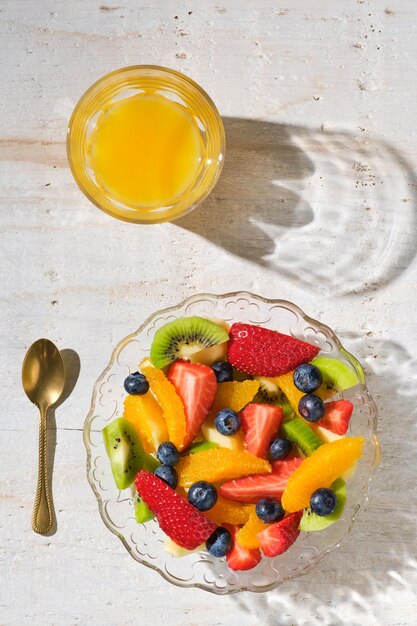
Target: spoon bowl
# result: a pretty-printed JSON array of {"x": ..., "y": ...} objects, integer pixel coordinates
[
  {"x": 43, "y": 373},
  {"x": 43, "y": 379}
]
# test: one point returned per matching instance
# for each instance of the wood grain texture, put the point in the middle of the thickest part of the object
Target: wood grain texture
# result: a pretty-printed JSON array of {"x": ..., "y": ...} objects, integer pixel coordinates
[{"x": 316, "y": 204}]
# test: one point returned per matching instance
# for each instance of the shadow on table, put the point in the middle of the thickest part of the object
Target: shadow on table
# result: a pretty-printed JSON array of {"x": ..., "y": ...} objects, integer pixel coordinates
[
  {"x": 379, "y": 560},
  {"x": 72, "y": 370},
  {"x": 326, "y": 209}
]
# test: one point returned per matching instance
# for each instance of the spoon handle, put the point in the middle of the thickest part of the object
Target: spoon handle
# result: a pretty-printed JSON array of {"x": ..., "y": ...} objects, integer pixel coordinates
[{"x": 42, "y": 518}]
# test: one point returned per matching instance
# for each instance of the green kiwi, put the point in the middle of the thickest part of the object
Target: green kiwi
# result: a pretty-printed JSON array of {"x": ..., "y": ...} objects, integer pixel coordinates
[
  {"x": 269, "y": 393},
  {"x": 297, "y": 431},
  {"x": 142, "y": 512},
  {"x": 185, "y": 336},
  {"x": 336, "y": 374},
  {"x": 125, "y": 452},
  {"x": 311, "y": 521},
  {"x": 202, "y": 445}
]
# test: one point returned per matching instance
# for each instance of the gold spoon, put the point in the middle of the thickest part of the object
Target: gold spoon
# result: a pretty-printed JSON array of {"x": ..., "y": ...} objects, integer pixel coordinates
[{"x": 43, "y": 379}]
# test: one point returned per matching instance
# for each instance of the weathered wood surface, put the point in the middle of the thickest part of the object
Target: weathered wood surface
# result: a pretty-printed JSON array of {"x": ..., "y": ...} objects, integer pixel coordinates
[{"x": 316, "y": 204}]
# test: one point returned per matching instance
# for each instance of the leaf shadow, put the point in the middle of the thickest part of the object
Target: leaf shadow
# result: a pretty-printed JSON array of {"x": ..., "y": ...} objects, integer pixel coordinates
[{"x": 331, "y": 211}]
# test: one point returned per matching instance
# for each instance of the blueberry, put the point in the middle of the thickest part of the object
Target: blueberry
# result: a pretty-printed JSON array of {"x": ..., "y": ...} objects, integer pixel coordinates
[
  {"x": 307, "y": 378},
  {"x": 202, "y": 495},
  {"x": 220, "y": 542},
  {"x": 168, "y": 474},
  {"x": 269, "y": 510},
  {"x": 136, "y": 384},
  {"x": 323, "y": 501},
  {"x": 223, "y": 371},
  {"x": 280, "y": 448},
  {"x": 227, "y": 422},
  {"x": 167, "y": 453},
  {"x": 311, "y": 407}
]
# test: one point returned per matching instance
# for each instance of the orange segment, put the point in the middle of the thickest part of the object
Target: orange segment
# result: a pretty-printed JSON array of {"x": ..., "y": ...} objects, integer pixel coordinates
[
  {"x": 247, "y": 537},
  {"x": 228, "y": 512},
  {"x": 235, "y": 395},
  {"x": 294, "y": 395},
  {"x": 218, "y": 465},
  {"x": 146, "y": 416},
  {"x": 286, "y": 384},
  {"x": 320, "y": 469},
  {"x": 171, "y": 404}
]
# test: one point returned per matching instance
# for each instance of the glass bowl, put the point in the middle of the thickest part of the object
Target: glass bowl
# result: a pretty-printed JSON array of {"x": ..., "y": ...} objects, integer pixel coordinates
[
  {"x": 124, "y": 83},
  {"x": 144, "y": 542}
]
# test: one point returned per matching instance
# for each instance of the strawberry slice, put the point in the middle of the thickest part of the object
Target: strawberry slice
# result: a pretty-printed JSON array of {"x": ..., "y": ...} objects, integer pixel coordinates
[
  {"x": 196, "y": 385},
  {"x": 263, "y": 352},
  {"x": 337, "y": 416},
  {"x": 252, "y": 488},
  {"x": 260, "y": 424},
  {"x": 278, "y": 537},
  {"x": 241, "y": 558},
  {"x": 179, "y": 519}
]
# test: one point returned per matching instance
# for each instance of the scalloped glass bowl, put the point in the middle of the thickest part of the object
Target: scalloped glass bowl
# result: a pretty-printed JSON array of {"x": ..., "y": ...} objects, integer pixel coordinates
[{"x": 144, "y": 542}]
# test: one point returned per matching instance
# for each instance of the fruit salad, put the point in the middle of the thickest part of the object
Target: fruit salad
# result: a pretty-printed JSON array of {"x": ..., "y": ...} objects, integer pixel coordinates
[{"x": 234, "y": 439}]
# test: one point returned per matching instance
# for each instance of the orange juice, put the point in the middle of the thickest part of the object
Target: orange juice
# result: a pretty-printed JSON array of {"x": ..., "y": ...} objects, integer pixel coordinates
[{"x": 145, "y": 150}]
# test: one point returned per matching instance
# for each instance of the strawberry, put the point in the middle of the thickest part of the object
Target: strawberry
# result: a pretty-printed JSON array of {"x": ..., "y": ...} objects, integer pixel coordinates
[
  {"x": 252, "y": 488},
  {"x": 278, "y": 537},
  {"x": 241, "y": 558},
  {"x": 336, "y": 416},
  {"x": 196, "y": 385},
  {"x": 285, "y": 467},
  {"x": 263, "y": 352},
  {"x": 179, "y": 519},
  {"x": 260, "y": 424}
]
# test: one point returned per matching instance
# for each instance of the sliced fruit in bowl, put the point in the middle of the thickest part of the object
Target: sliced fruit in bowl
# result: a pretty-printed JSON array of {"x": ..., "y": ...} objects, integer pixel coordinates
[
  {"x": 263, "y": 352},
  {"x": 146, "y": 415},
  {"x": 184, "y": 337},
  {"x": 239, "y": 558},
  {"x": 277, "y": 538},
  {"x": 336, "y": 374},
  {"x": 261, "y": 423},
  {"x": 251, "y": 489},
  {"x": 311, "y": 522},
  {"x": 181, "y": 521},
  {"x": 196, "y": 385},
  {"x": 235, "y": 395},
  {"x": 172, "y": 406},
  {"x": 219, "y": 465},
  {"x": 321, "y": 469},
  {"x": 264, "y": 503},
  {"x": 125, "y": 452}
]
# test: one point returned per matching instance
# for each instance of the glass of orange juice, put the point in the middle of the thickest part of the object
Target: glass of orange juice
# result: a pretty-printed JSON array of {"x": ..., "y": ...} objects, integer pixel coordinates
[{"x": 146, "y": 144}]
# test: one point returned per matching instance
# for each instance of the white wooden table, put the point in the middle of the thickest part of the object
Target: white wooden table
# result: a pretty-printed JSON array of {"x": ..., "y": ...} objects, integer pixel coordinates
[{"x": 316, "y": 204}]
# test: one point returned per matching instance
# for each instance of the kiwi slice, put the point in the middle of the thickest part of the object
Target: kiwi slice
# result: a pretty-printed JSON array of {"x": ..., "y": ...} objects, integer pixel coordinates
[
  {"x": 183, "y": 337},
  {"x": 337, "y": 375},
  {"x": 297, "y": 431},
  {"x": 270, "y": 393},
  {"x": 211, "y": 355},
  {"x": 142, "y": 512},
  {"x": 311, "y": 521},
  {"x": 200, "y": 446},
  {"x": 125, "y": 452}
]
